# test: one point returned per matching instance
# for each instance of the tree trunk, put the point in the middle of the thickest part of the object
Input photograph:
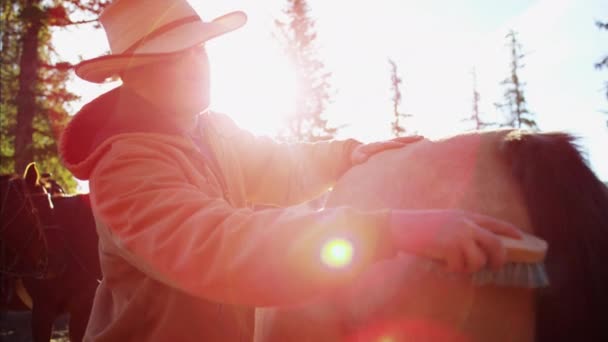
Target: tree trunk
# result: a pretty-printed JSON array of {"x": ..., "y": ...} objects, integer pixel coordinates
[{"x": 26, "y": 97}]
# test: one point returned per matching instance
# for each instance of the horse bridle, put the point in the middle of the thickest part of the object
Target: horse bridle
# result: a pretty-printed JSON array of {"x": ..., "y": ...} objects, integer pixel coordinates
[{"x": 35, "y": 234}]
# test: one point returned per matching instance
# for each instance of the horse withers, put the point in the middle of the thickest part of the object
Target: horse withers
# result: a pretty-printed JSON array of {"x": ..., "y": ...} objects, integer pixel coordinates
[
  {"x": 49, "y": 255},
  {"x": 537, "y": 181}
]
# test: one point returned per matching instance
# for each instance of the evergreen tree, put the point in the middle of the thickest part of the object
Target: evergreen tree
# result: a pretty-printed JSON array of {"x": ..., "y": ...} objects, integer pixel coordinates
[
  {"x": 296, "y": 33},
  {"x": 603, "y": 63},
  {"x": 514, "y": 105},
  {"x": 34, "y": 95},
  {"x": 397, "y": 127},
  {"x": 475, "y": 114}
]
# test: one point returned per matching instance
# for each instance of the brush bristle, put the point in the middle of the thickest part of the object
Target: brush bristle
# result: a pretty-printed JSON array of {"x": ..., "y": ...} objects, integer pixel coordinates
[
  {"x": 511, "y": 274},
  {"x": 533, "y": 275}
]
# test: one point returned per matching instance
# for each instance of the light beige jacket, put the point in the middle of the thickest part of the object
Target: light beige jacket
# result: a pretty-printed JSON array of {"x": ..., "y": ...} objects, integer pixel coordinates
[{"x": 184, "y": 256}]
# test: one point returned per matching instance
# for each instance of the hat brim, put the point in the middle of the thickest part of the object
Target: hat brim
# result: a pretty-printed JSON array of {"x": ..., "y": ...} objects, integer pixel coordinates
[{"x": 163, "y": 47}]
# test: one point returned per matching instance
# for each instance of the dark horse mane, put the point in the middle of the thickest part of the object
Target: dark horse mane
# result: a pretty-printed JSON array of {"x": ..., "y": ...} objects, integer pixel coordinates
[{"x": 568, "y": 207}]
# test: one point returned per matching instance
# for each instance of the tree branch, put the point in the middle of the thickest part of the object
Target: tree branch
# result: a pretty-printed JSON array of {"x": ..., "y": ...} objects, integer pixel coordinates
[
  {"x": 61, "y": 66},
  {"x": 73, "y": 23}
]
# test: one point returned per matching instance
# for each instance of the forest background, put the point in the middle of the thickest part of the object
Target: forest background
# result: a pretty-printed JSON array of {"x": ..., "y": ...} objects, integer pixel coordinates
[{"x": 311, "y": 70}]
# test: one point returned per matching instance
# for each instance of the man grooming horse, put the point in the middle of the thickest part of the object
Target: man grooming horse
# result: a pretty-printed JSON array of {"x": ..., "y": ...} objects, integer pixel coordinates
[{"x": 183, "y": 254}]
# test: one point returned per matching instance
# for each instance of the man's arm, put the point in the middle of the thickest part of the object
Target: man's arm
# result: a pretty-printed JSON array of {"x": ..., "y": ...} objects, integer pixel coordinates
[
  {"x": 285, "y": 174},
  {"x": 188, "y": 238}
]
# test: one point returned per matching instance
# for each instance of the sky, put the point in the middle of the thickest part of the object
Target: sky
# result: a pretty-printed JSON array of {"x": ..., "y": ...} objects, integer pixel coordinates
[{"x": 435, "y": 44}]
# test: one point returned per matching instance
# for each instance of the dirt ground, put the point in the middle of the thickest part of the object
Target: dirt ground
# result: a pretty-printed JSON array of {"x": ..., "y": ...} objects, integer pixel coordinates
[{"x": 15, "y": 327}]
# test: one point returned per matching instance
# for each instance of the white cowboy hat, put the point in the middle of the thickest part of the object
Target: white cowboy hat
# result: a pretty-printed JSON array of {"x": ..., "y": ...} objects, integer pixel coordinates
[{"x": 145, "y": 31}]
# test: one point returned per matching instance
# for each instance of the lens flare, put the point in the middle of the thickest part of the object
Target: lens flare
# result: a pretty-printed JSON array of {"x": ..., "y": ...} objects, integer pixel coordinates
[{"x": 337, "y": 253}]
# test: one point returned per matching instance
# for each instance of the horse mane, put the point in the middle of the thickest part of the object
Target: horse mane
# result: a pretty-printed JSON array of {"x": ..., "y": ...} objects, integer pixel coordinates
[{"x": 568, "y": 207}]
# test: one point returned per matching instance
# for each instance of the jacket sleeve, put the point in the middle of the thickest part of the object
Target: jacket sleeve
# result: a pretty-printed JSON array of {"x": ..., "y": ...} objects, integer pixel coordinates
[
  {"x": 191, "y": 240},
  {"x": 288, "y": 173}
]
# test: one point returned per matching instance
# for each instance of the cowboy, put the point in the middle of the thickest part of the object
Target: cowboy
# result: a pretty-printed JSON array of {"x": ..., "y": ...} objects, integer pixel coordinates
[{"x": 184, "y": 255}]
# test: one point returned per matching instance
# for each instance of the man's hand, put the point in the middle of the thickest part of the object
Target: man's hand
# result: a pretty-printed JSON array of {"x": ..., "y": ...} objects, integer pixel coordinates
[
  {"x": 362, "y": 152},
  {"x": 465, "y": 241}
]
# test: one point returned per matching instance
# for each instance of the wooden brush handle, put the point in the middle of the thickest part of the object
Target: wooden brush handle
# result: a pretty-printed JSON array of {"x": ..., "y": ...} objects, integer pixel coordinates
[{"x": 529, "y": 249}]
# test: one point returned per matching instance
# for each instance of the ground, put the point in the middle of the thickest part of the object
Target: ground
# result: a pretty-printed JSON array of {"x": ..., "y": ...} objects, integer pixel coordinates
[{"x": 15, "y": 327}]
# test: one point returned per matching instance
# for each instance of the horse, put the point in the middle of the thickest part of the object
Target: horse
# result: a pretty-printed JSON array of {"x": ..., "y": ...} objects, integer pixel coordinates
[
  {"x": 539, "y": 181},
  {"x": 49, "y": 254}
]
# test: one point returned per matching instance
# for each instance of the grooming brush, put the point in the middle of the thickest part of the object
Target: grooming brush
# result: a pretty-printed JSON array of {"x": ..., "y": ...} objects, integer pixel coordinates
[
  {"x": 525, "y": 264},
  {"x": 524, "y": 267}
]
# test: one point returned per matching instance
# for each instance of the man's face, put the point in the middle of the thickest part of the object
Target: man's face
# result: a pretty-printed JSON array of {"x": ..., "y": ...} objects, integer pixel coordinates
[{"x": 179, "y": 84}]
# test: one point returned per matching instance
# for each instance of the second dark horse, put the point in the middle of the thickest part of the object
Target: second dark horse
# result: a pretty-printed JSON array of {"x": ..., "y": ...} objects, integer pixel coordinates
[{"x": 49, "y": 254}]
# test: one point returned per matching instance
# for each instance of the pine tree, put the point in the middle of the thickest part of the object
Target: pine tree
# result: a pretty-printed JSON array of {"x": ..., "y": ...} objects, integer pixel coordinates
[
  {"x": 514, "y": 104},
  {"x": 475, "y": 114},
  {"x": 397, "y": 127},
  {"x": 34, "y": 95},
  {"x": 603, "y": 63},
  {"x": 296, "y": 33}
]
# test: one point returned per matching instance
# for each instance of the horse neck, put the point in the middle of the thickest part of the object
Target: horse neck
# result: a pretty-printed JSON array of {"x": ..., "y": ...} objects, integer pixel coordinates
[
  {"x": 475, "y": 176},
  {"x": 467, "y": 174},
  {"x": 23, "y": 232}
]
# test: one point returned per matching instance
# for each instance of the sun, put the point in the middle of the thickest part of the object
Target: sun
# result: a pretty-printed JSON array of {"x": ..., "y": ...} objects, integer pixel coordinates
[{"x": 255, "y": 84}]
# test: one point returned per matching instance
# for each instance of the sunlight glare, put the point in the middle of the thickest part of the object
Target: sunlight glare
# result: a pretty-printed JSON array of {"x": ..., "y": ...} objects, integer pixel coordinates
[
  {"x": 337, "y": 253},
  {"x": 252, "y": 80},
  {"x": 386, "y": 338}
]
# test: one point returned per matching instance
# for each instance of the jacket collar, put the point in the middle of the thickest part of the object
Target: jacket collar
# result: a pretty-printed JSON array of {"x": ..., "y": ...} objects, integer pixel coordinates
[{"x": 119, "y": 111}]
